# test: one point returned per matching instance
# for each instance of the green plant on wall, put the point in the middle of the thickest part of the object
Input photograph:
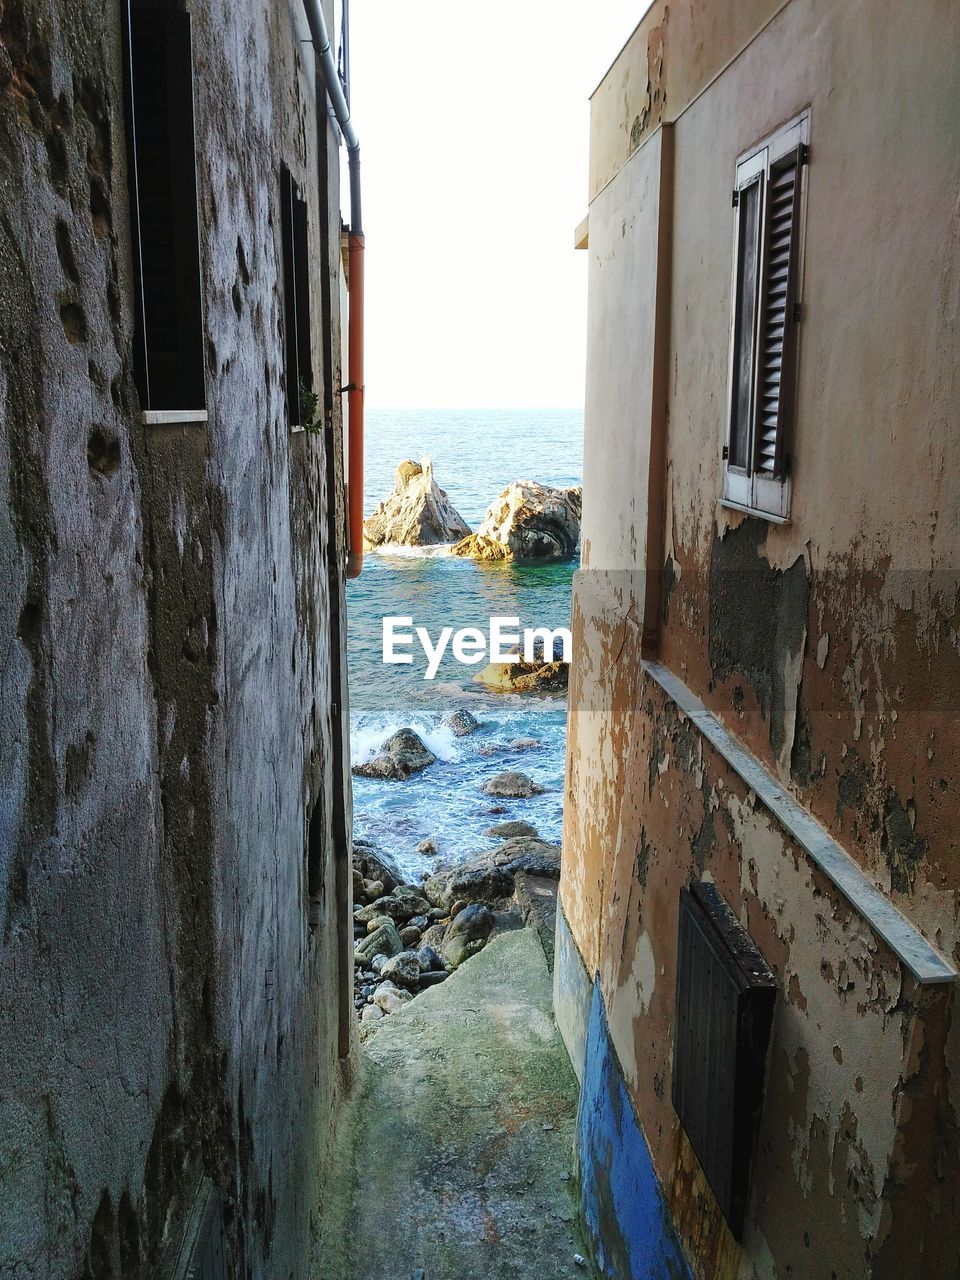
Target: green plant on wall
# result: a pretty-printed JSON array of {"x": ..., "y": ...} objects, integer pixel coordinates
[{"x": 309, "y": 406}]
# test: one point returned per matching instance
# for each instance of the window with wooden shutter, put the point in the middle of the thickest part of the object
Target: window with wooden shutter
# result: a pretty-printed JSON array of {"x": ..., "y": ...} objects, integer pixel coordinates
[
  {"x": 168, "y": 354},
  {"x": 766, "y": 311}
]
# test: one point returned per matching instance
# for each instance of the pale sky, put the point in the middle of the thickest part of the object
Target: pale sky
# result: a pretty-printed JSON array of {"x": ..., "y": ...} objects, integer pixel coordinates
[{"x": 473, "y": 124}]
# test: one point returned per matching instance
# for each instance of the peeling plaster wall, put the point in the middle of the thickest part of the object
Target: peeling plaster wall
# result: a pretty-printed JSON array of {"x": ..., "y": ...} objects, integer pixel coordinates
[
  {"x": 166, "y": 724},
  {"x": 830, "y": 647}
]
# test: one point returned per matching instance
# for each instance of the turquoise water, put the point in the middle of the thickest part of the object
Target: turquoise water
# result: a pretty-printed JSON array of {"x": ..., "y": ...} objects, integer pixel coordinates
[{"x": 476, "y": 454}]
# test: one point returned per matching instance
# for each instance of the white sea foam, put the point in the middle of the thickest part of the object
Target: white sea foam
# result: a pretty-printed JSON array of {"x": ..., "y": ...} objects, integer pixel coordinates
[
  {"x": 400, "y": 552},
  {"x": 367, "y": 739}
]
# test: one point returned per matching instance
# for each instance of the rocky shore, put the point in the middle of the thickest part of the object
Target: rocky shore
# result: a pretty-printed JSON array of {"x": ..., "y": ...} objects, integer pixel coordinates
[{"x": 410, "y": 937}]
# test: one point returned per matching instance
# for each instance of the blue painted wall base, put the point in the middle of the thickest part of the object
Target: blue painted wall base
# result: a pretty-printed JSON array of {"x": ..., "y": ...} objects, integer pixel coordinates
[{"x": 624, "y": 1213}]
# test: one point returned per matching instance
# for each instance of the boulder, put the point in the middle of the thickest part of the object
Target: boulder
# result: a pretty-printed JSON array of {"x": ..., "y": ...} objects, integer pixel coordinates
[
  {"x": 513, "y": 785},
  {"x": 434, "y": 977},
  {"x": 398, "y": 906},
  {"x": 410, "y": 935},
  {"x": 461, "y": 723},
  {"x": 376, "y": 866},
  {"x": 509, "y": 830},
  {"x": 402, "y": 969},
  {"x": 529, "y": 521},
  {"x": 433, "y": 937},
  {"x": 385, "y": 940},
  {"x": 490, "y": 877},
  {"x": 427, "y": 847},
  {"x": 429, "y": 959},
  {"x": 417, "y": 513},
  {"x": 467, "y": 934},
  {"x": 525, "y": 744},
  {"x": 402, "y": 754},
  {"x": 474, "y": 881},
  {"x": 371, "y": 1014},
  {"x": 390, "y": 998}
]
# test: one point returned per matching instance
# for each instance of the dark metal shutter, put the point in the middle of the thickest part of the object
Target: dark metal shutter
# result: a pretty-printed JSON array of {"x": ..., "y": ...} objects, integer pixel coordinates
[
  {"x": 778, "y": 295},
  {"x": 724, "y": 1009}
]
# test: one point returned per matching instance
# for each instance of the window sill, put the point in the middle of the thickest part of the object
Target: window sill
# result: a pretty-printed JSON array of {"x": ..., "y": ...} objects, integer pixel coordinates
[
  {"x": 730, "y": 505},
  {"x": 173, "y": 417}
]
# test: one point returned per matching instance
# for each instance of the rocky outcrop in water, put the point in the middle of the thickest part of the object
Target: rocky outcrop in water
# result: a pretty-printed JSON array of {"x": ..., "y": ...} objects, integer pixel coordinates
[
  {"x": 402, "y": 754},
  {"x": 461, "y": 723},
  {"x": 417, "y": 514},
  {"x": 529, "y": 521},
  {"x": 512, "y": 785},
  {"x": 525, "y": 677}
]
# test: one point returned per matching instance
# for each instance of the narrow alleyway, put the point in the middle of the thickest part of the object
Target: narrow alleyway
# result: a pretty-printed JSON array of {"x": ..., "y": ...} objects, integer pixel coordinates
[{"x": 460, "y": 1136}]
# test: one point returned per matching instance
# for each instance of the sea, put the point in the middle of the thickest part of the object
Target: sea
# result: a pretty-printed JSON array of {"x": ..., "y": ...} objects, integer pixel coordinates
[{"x": 476, "y": 454}]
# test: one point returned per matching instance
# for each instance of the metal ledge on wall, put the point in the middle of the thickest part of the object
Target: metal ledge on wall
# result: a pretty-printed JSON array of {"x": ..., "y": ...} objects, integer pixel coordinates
[{"x": 902, "y": 937}]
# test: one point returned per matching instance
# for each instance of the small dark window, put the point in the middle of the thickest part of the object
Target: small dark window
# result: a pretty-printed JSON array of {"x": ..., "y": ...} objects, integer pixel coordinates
[
  {"x": 296, "y": 302},
  {"x": 316, "y": 855},
  {"x": 163, "y": 181},
  {"x": 765, "y": 312},
  {"x": 725, "y": 999}
]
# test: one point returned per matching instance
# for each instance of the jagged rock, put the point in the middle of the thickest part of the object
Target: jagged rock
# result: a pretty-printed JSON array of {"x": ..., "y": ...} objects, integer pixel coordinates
[
  {"x": 402, "y": 754},
  {"x": 525, "y": 677},
  {"x": 490, "y": 877},
  {"x": 471, "y": 882},
  {"x": 467, "y": 934},
  {"x": 461, "y": 723},
  {"x": 509, "y": 830},
  {"x": 417, "y": 513},
  {"x": 376, "y": 866},
  {"x": 403, "y": 969},
  {"x": 529, "y": 521},
  {"x": 385, "y": 940},
  {"x": 513, "y": 785}
]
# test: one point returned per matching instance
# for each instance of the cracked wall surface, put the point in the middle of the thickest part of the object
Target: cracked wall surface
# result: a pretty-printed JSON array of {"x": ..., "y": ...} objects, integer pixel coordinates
[
  {"x": 829, "y": 647},
  {"x": 167, "y": 674}
]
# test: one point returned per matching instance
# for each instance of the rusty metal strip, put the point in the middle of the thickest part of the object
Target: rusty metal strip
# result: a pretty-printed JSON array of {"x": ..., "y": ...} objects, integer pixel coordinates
[{"x": 889, "y": 923}]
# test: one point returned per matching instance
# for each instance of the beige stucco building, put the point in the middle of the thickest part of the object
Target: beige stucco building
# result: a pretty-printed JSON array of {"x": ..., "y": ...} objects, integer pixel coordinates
[{"x": 767, "y": 650}]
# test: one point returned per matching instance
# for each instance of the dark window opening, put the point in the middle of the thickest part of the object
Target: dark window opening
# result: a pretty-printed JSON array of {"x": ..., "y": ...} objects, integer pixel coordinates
[
  {"x": 168, "y": 354},
  {"x": 316, "y": 860},
  {"x": 301, "y": 402}
]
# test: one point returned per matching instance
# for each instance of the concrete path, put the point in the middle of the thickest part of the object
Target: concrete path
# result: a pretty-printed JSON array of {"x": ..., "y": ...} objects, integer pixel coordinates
[{"x": 460, "y": 1138}]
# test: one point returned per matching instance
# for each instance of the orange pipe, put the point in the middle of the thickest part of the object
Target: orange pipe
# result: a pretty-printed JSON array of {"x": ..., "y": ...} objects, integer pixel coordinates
[{"x": 355, "y": 244}]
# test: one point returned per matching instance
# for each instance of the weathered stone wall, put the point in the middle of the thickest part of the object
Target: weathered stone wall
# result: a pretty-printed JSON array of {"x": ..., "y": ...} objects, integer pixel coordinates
[
  {"x": 828, "y": 647},
  {"x": 169, "y": 682}
]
